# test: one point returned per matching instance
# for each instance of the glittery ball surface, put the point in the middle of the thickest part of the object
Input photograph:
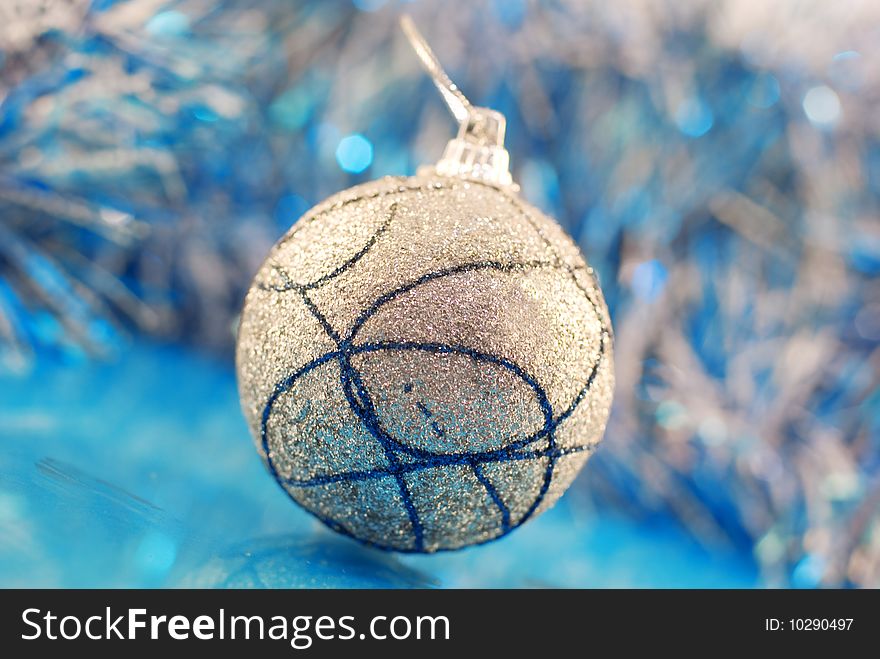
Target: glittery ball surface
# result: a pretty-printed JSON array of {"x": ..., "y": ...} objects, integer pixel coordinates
[{"x": 425, "y": 363}]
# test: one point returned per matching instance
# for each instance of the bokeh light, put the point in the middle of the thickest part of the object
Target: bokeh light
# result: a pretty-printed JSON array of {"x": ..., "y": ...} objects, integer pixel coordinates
[
  {"x": 354, "y": 153},
  {"x": 822, "y": 106}
]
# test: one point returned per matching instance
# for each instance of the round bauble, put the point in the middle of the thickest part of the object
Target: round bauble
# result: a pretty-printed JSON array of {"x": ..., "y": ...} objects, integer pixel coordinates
[{"x": 425, "y": 363}]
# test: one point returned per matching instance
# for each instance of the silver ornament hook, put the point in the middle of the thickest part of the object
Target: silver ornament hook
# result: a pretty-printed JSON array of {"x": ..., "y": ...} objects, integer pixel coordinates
[
  {"x": 477, "y": 152},
  {"x": 458, "y": 103}
]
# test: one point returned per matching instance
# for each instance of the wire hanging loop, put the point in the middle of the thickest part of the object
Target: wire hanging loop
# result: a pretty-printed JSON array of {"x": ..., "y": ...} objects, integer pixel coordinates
[
  {"x": 455, "y": 99},
  {"x": 477, "y": 152}
]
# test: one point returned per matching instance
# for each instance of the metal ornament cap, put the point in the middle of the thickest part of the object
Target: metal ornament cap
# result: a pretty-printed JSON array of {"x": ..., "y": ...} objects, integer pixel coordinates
[{"x": 477, "y": 152}]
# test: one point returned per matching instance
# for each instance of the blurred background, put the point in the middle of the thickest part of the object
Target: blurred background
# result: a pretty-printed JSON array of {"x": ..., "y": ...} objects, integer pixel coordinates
[{"x": 718, "y": 163}]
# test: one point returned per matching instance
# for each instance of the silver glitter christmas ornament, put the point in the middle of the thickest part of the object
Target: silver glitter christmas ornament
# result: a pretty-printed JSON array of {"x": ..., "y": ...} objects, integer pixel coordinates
[{"x": 426, "y": 362}]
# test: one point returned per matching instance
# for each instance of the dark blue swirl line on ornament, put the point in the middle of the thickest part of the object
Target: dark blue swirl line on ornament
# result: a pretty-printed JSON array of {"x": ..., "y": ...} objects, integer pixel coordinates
[
  {"x": 479, "y": 357},
  {"x": 405, "y": 187},
  {"x": 363, "y": 407},
  {"x": 441, "y": 460},
  {"x": 309, "y": 219},
  {"x": 493, "y": 493},
  {"x": 508, "y": 452},
  {"x": 369, "y": 418},
  {"x": 327, "y": 327},
  {"x": 290, "y": 285},
  {"x": 438, "y": 430},
  {"x": 440, "y": 274},
  {"x": 366, "y": 412}
]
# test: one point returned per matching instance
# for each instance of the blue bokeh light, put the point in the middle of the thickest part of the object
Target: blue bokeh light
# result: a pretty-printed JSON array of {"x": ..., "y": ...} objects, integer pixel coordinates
[
  {"x": 694, "y": 117},
  {"x": 354, "y": 153}
]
